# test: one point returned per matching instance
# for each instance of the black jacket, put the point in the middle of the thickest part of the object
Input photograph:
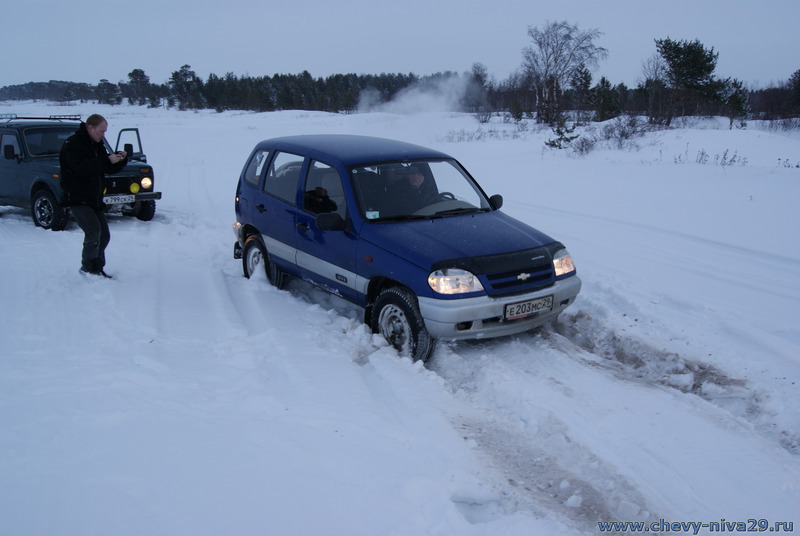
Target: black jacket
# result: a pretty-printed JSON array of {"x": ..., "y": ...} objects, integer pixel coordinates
[{"x": 84, "y": 164}]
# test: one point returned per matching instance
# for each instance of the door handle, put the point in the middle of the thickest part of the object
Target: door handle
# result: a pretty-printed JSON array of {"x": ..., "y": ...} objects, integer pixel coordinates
[
  {"x": 302, "y": 226},
  {"x": 261, "y": 208}
]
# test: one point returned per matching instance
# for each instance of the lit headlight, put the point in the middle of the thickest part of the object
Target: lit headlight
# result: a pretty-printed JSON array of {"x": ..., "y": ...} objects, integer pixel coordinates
[
  {"x": 147, "y": 183},
  {"x": 562, "y": 263},
  {"x": 454, "y": 281}
]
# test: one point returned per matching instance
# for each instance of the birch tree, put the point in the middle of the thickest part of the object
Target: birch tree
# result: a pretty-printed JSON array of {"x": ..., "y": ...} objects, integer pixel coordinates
[{"x": 557, "y": 51}]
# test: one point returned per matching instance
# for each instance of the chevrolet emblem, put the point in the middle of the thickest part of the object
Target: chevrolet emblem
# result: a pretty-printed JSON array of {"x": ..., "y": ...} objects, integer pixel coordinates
[{"x": 523, "y": 276}]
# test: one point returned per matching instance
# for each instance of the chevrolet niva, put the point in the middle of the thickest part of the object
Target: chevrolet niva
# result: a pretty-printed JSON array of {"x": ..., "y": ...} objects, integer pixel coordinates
[{"x": 404, "y": 232}]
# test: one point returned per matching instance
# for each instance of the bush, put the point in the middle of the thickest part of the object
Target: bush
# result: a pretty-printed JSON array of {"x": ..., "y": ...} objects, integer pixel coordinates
[
  {"x": 584, "y": 145},
  {"x": 704, "y": 158},
  {"x": 564, "y": 138},
  {"x": 483, "y": 116},
  {"x": 622, "y": 131}
]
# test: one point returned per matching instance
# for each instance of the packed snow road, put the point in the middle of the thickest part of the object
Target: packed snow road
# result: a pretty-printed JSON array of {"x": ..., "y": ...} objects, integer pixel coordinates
[
  {"x": 579, "y": 420},
  {"x": 585, "y": 422},
  {"x": 181, "y": 397}
]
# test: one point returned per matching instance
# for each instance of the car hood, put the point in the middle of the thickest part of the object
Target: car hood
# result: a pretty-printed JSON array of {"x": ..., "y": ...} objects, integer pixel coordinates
[
  {"x": 51, "y": 164},
  {"x": 425, "y": 242}
]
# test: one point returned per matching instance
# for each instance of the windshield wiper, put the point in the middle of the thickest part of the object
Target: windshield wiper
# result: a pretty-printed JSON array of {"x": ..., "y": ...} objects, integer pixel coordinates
[
  {"x": 402, "y": 217},
  {"x": 461, "y": 210}
]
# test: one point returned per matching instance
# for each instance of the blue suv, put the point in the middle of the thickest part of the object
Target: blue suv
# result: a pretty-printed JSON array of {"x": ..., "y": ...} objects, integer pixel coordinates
[{"x": 404, "y": 232}]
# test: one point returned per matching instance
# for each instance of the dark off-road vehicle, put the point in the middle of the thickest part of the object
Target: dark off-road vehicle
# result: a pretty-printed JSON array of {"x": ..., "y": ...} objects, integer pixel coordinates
[{"x": 30, "y": 170}]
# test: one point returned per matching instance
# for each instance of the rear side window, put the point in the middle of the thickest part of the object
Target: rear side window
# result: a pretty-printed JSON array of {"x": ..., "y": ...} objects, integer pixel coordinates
[
  {"x": 252, "y": 174},
  {"x": 46, "y": 141},
  {"x": 283, "y": 176}
]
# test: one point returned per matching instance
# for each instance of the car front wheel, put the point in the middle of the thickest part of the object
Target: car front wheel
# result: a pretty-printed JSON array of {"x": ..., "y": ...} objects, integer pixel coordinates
[
  {"x": 47, "y": 212},
  {"x": 255, "y": 257},
  {"x": 396, "y": 316},
  {"x": 145, "y": 210}
]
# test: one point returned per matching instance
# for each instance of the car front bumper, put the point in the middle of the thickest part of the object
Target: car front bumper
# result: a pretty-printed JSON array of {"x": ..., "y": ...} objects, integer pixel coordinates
[
  {"x": 122, "y": 199},
  {"x": 483, "y": 316}
]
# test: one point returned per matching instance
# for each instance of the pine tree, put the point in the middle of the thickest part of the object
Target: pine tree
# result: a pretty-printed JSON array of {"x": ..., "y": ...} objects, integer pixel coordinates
[
  {"x": 605, "y": 101},
  {"x": 108, "y": 93},
  {"x": 581, "y": 84},
  {"x": 138, "y": 87},
  {"x": 690, "y": 75}
]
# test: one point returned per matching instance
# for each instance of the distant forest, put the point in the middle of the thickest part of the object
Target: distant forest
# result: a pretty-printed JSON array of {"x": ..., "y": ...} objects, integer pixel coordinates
[{"x": 554, "y": 82}]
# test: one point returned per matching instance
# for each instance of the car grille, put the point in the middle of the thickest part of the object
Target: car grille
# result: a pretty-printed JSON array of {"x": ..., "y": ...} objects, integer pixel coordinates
[
  {"x": 535, "y": 275},
  {"x": 119, "y": 185},
  {"x": 510, "y": 273}
]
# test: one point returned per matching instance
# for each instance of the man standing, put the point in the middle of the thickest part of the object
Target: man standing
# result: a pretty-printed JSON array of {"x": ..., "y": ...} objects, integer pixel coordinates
[{"x": 84, "y": 164}]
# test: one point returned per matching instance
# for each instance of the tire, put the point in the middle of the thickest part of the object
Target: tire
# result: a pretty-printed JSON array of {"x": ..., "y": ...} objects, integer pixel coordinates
[
  {"x": 396, "y": 316},
  {"x": 145, "y": 210},
  {"x": 47, "y": 212},
  {"x": 254, "y": 255}
]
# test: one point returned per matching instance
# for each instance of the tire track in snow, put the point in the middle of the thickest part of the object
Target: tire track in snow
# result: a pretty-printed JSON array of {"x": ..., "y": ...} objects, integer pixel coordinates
[
  {"x": 545, "y": 467},
  {"x": 595, "y": 438},
  {"x": 581, "y": 336}
]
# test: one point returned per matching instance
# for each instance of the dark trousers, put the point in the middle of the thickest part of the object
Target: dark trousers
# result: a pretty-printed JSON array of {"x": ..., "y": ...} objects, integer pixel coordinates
[{"x": 96, "y": 236}]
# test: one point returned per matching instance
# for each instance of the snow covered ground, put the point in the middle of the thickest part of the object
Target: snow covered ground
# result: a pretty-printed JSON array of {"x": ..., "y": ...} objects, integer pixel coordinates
[{"x": 181, "y": 398}]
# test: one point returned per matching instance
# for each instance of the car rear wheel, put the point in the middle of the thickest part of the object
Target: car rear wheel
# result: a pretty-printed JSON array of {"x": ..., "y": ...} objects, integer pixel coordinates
[
  {"x": 47, "y": 212},
  {"x": 255, "y": 257},
  {"x": 396, "y": 316}
]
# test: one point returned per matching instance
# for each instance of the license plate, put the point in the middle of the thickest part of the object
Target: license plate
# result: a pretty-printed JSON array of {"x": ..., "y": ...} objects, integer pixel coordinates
[
  {"x": 117, "y": 199},
  {"x": 528, "y": 308}
]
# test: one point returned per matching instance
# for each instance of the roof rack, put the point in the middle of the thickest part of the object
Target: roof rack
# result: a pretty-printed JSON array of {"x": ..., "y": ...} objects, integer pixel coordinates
[{"x": 70, "y": 117}]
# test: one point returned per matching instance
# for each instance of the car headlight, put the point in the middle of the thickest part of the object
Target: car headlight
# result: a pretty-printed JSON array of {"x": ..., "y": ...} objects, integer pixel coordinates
[
  {"x": 147, "y": 183},
  {"x": 454, "y": 281},
  {"x": 562, "y": 263}
]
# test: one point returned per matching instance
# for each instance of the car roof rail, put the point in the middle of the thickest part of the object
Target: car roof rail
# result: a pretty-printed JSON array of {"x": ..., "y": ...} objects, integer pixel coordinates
[{"x": 69, "y": 117}]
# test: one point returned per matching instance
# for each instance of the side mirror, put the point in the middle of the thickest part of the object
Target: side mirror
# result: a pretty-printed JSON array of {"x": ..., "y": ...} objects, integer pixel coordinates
[
  {"x": 129, "y": 149},
  {"x": 496, "y": 200},
  {"x": 8, "y": 152},
  {"x": 330, "y": 221}
]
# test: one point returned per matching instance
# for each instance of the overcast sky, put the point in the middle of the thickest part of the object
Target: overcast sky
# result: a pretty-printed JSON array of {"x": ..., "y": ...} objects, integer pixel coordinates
[{"x": 88, "y": 40}]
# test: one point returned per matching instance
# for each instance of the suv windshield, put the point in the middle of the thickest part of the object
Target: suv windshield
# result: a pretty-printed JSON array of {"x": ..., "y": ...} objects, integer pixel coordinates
[
  {"x": 415, "y": 190},
  {"x": 47, "y": 141}
]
